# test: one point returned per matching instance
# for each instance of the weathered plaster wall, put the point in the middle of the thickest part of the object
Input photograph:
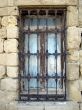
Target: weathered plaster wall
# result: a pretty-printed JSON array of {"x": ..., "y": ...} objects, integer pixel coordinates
[{"x": 9, "y": 63}]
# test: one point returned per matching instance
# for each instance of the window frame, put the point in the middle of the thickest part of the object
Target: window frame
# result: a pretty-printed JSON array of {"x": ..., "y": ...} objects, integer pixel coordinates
[{"x": 21, "y": 55}]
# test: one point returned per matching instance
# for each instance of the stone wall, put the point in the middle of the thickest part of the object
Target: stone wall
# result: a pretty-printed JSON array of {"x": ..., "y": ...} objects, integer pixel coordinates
[
  {"x": 9, "y": 34},
  {"x": 9, "y": 43}
]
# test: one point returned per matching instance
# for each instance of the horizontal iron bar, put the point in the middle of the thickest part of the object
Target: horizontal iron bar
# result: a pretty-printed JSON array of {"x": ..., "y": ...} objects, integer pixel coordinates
[
  {"x": 46, "y": 54},
  {"x": 41, "y": 97},
  {"x": 42, "y": 16},
  {"x": 45, "y": 77},
  {"x": 44, "y": 31},
  {"x": 43, "y": 8}
]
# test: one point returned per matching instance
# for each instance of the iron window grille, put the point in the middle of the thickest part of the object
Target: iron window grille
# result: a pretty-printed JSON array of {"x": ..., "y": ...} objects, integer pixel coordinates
[{"x": 42, "y": 54}]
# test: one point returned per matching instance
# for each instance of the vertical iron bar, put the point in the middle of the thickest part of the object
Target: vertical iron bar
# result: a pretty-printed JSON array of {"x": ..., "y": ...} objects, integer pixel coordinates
[
  {"x": 37, "y": 57},
  {"x": 23, "y": 55},
  {"x": 65, "y": 42},
  {"x": 42, "y": 59},
  {"x": 20, "y": 67},
  {"x": 44, "y": 63},
  {"x": 28, "y": 57},
  {"x": 56, "y": 54},
  {"x": 56, "y": 63},
  {"x": 46, "y": 53},
  {"x": 62, "y": 51}
]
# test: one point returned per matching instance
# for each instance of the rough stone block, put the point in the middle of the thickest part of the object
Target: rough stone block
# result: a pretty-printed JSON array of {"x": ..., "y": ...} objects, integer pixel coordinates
[
  {"x": 80, "y": 106},
  {"x": 9, "y": 21},
  {"x": 81, "y": 69},
  {"x": 63, "y": 106},
  {"x": 3, "y": 59},
  {"x": 80, "y": 16},
  {"x": 74, "y": 93},
  {"x": 79, "y": 31},
  {"x": 73, "y": 56},
  {"x": 2, "y": 96},
  {"x": 12, "y": 106},
  {"x": 9, "y": 84},
  {"x": 2, "y": 71},
  {"x": 12, "y": 20},
  {"x": 1, "y": 45},
  {"x": 73, "y": 39},
  {"x": 13, "y": 11},
  {"x": 10, "y": 2},
  {"x": 11, "y": 96},
  {"x": 3, "y": 32},
  {"x": 12, "y": 32},
  {"x": 3, "y": 3},
  {"x": 4, "y": 21},
  {"x": 12, "y": 59},
  {"x": 7, "y": 96},
  {"x": 11, "y": 45},
  {"x": 12, "y": 72},
  {"x": 72, "y": 16},
  {"x": 72, "y": 71},
  {"x": 80, "y": 56},
  {"x": 2, "y": 106},
  {"x": 80, "y": 83},
  {"x": 0, "y": 22},
  {"x": 5, "y": 11},
  {"x": 80, "y": 2},
  {"x": 72, "y": 2}
]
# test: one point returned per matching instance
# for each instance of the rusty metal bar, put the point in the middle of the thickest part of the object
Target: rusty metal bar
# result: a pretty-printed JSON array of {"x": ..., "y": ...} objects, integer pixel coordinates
[{"x": 43, "y": 54}]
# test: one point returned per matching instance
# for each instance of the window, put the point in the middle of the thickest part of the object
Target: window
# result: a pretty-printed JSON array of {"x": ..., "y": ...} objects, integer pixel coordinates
[{"x": 42, "y": 55}]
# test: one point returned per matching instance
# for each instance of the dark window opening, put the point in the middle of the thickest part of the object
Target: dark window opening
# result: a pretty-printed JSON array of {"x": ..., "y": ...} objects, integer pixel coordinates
[{"x": 42, "y": 55}]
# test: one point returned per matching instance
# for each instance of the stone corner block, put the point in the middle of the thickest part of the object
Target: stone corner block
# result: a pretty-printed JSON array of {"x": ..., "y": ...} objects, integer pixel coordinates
[
  {"x": 11, "y": 45},
  {"x": 11, "y": 2},
  {"x": 9, "y": 84},
  {"x": 81, "y": 69},
  {"x": 72, "y": 2},
  {"x": 13, "y": 11},
  {"x": 72, "y": 71},
  {"x": 12, "y": 32},
  {"x": 9, "y": 21},
  {"x": 7, "y": 96},
  {"x": 0, "y": 21},
  {"x": 80, "y": 16},
  {"x": 12, "y": 59},
  {"x": 2, "y": 59},
  {"x": 3, "y": 32},
  {"x": 72, "y": 16},
  {"x": 80, "y": 106},
  {"x": 12, "y": 72},
  {"x": 3, "y": 3},
  {"x": 80, "y": 56},
  {"x": 73, "y": 57},
  {"x": 1, "y": 45},
  {"x": 5, "y": 11},
  {"x": 74, "y": 93},
  {"x": 2, "y": 106},
  {"x": 2, "y": 71},
  {"x": 73, "y": 39},
  {"x": 12, "y": 106},
  {"x": 80, "y": 83}
]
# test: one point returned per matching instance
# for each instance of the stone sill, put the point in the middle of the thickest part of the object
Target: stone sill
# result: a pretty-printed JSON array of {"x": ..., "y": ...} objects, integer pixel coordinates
[{"x": 42, "y": 106}]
